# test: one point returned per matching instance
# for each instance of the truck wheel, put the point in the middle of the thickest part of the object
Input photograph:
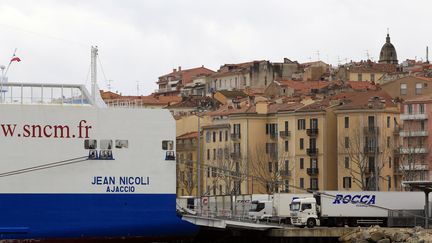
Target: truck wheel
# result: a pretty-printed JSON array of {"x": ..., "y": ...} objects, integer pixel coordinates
[{"x": 311, "y": 223}]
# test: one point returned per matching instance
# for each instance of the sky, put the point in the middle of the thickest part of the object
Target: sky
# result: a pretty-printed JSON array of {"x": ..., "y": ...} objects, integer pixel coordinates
[{"x": 140, "y": 40}]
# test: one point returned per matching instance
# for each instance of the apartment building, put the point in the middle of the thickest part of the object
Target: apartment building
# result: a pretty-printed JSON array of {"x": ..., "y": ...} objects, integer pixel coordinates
[
  {"x": 222, "y": 163},
  {"x": 413, "y": 160},
  {"x": 187, "y": 157},
  {"x": 286, "y": 146},
  {"x": 366, "y": 123}
]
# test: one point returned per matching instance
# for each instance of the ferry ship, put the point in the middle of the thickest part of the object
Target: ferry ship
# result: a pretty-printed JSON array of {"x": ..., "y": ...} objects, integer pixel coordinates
[{"x": 73, "y": 168}]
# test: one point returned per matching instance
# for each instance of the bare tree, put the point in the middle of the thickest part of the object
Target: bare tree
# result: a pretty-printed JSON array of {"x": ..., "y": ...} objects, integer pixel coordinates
[
  {"x": 269, "y": 167},
  {"x": 366, "y": 158},
  {"x": 186, "y": 174},
  {"x": 231, "y": 170}
]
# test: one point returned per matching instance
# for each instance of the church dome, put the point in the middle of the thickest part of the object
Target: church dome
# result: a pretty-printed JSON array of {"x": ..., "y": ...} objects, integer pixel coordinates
[{"x": 388, "y": 52}]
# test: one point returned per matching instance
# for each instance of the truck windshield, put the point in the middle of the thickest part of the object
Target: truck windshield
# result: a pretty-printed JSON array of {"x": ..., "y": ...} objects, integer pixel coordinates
[
  {"x": 256, "y": 207},
  {"x": 295, "y": 206}
]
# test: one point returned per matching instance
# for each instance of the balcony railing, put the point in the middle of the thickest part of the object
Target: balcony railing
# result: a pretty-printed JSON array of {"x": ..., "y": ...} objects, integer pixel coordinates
[
  {"x": 312, "y": 152},
  {"x": 417, "y": 116},
  {"x": 236, "y": 155},
  {"x": 421, "y": 133},
  {"x": 312, "y": 132},
  {"x": 284, "y": 134},
  {"x": 235, "y": 136},
  {"x": 312, "y": 171},
  {"x": 187, "y": 146},
  {"x": 371, "y": 130},
  {"x": 273, "y": 135},
  {"x": 413, "y": 167},
  {"x": 273, "y": 155},
  {"x": 371, "y": 149},
  {"x": 418, "y": 150},
  {"x": 286, "y": 173}
]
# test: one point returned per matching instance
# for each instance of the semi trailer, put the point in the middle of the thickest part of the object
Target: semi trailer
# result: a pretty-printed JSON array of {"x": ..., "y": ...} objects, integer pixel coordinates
[{"x": 339, "y": 208}]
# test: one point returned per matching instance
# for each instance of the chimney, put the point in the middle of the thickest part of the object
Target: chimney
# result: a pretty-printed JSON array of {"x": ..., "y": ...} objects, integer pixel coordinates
[
  {"x": 174, "y": 70},
  {"x": 179, "y": 68},
  {"x": 262, "y": 107}
]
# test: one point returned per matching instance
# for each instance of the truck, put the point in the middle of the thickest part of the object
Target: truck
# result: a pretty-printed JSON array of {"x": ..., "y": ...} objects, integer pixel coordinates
[
  {"x": 352, "y": 208},
  {"x": 276, "y": 208}
]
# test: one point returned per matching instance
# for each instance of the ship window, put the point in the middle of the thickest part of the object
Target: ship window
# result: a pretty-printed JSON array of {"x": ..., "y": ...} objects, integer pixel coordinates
[
  {"x": 106, "y": 144},
  {"x": 167, "y": 145},
  {"x": 106, "y": 154},
  {"x": 90, "y": 144},
  {"x": 121, "y": 143}
]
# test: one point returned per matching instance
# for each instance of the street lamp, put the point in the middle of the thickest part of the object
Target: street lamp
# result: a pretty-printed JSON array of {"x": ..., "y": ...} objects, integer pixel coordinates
[{"x": 198, "y": 110}]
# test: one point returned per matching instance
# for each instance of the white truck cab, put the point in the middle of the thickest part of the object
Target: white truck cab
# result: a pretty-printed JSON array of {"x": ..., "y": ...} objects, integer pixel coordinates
[
  {"x": 304, "y": 212},
  {"x": 261, "y": 210}
]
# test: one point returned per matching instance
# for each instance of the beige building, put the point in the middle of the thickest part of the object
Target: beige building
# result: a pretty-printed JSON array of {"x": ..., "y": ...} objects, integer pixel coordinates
[
  {"x": 222, "y": 164},
  {"x": 187, "y": 157},
  {"x": 286, "y": 146},
  {"x": 365, "y": 132},
  {"x": 409, "y": 87}
]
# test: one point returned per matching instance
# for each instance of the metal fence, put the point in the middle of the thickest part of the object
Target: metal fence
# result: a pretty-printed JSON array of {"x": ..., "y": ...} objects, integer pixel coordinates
[
  {"x": 406, "y": 218},
  {"x": 230, "y": 207}
]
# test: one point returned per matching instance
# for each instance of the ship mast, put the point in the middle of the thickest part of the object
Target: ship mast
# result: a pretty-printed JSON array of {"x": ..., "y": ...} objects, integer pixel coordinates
[{"x": 93, "y": 73}]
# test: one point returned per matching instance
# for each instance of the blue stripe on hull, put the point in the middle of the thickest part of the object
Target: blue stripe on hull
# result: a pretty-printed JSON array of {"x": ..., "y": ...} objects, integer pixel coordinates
[{"x": 29, "y": 216}]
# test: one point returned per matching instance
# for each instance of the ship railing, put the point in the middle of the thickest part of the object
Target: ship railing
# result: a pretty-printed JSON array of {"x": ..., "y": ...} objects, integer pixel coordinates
[{"x": 44, "y": 94}]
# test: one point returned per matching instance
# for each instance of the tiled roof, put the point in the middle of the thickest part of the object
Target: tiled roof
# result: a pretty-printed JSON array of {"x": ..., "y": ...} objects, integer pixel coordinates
[
  {"x": 427, "y": 98},
  {"x": 360, "y": 100},
  {"x": 188, "y": 135},
  {"x": 306, "y": 87},
  {"x": 361, "y": 85},
  {"x": 233, "y": 93},
  {"x": 187, "y": 75},
  {"x": 233, "y": 69},
  {"x": 108, "y": 97}
]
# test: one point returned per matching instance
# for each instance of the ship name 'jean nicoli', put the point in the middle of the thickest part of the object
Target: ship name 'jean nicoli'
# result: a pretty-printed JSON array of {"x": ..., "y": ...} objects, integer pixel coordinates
[{"x": 122, "y": 180}]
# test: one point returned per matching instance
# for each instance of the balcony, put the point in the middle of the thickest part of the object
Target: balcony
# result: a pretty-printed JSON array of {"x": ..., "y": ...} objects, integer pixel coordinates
[
  {"x": 397, "y": 130},
  {"x": 273, "y": 135},
  {"x": 235, "y": 136},
  {"x": 164, "y": 90},
  {"x": 413, "y": 167},
  {"x": 417, "y": 116},
  {"x": 413, "y": 133},
  {"x": 273, "y": 155},
  {"x": 312, "y": 132},
  {"x": 371, "y": 149},
  {"x": 312, "y": 152},
  {"x": 418, "y": 150},
  {"x": 284, "y": 134},
  {"x": 186, "y": 146},
  {"x": 312, "y": 171},
  {"x": 235, "y": 155},
  {"x": 371, "y": 130},
  {"x": 285, "y": 173}
]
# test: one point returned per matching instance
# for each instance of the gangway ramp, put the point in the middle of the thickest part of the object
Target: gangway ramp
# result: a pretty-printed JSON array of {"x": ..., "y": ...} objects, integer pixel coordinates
[{"x": 222, "y": 223}]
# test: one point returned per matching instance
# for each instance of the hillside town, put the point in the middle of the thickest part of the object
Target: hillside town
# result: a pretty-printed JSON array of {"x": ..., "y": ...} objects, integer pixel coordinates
[{"x": 266, "y": 127}]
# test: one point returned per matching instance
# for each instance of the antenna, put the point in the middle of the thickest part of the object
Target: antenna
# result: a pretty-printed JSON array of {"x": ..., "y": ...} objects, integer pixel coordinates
[
  {"x": 367, "y": 54},
  {"x": 137, "y": 87},
  {"x": 427, "y": 54},
  {"x": 318, "y": 54},
  {"x": 109, "y": 84}
]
